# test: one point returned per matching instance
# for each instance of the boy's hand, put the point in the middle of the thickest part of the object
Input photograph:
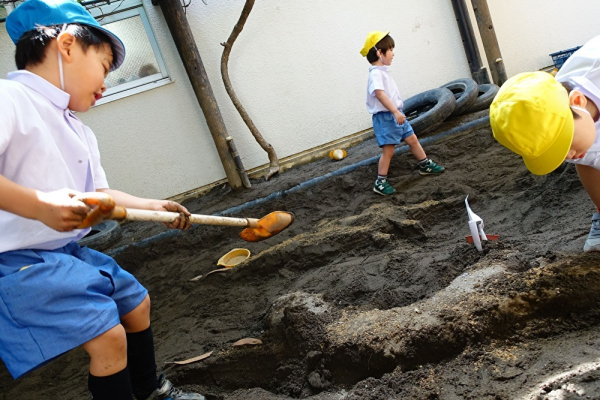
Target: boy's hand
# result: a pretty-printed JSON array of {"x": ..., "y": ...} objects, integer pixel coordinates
[
  {"x": 400, "y": 118},
  {"x": 60, "y": 211},
  {"x": 182, "y": 222},
  {"x": 129, "y": 201}
]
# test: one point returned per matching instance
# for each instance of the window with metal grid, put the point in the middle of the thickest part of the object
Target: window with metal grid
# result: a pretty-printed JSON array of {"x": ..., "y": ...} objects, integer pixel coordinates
[{"x": 144, "y": 67}]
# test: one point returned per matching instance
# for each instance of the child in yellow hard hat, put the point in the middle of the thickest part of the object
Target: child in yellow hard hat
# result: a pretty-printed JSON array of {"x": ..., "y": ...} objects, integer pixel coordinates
[
  {"x": 548, "y": 120},
  {"x": 384, "y": 102}
]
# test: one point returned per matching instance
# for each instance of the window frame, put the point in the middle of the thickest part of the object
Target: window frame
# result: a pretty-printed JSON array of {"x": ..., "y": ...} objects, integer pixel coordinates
[{"x": 118, "y": 11}]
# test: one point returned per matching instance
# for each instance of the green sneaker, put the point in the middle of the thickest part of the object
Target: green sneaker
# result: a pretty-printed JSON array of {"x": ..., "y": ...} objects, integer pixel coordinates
[
  {"x": 431, "y": 168},
  {"x": 383, "y": 187}
]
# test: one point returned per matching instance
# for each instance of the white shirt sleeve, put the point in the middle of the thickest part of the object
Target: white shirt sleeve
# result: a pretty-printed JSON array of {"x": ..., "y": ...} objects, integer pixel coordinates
[
  {"x": 100, "y": 181},
  {"x": 8, "y": 117},
  {"x": 375, "y": 81}
]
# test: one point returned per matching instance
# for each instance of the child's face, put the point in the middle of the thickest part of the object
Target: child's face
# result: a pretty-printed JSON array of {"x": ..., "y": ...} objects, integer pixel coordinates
[
  {"x": 584, "y": 133},
  {"x": 583, "y": 136},
  {"x": 387, "y": 57},
  {"x": 84, "y": 74}
]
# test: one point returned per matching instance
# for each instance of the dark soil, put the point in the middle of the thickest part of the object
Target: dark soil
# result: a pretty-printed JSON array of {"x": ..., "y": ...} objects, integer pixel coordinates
[{"x": 371, "y": 297}]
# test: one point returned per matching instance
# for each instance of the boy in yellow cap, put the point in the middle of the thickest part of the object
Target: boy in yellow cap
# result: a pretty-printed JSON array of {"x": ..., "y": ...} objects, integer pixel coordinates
[
  {"x": 384, "y": 102},
  {"x": 549, "y": 120}
]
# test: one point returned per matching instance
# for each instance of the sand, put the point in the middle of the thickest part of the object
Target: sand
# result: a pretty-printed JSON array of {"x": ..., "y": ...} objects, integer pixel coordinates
[{"x": 372, "y": 297}]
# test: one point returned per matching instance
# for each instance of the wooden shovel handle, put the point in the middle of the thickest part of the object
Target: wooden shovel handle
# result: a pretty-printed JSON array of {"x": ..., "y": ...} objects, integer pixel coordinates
[
  {"x": 103, "y": 207},
  {"x": 168, "y": 216}
]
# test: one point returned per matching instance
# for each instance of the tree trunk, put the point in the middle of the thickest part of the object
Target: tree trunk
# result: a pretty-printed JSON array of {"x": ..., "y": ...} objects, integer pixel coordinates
[
  {"x": 273, "y": 160},
  {"x": 186, "y": 46}
]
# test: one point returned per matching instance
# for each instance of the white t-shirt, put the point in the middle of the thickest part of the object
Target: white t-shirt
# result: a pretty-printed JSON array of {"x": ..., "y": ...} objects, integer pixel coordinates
[
  {"x": 582, "y": 70},
  {"x": 380, "y": 79},
  {"x": 43, "y": 146}
]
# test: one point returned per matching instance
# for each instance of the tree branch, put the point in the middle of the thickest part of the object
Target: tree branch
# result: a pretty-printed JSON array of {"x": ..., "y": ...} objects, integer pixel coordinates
[{"x": 273, "y": 160}]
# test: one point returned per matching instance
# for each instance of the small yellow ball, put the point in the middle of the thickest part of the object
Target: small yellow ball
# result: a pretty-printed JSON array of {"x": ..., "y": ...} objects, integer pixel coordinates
[{"x": 337, "y": 154}]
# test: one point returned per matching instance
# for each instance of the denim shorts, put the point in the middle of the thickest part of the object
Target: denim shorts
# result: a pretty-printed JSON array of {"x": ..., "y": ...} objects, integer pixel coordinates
[
  {"x": 387, "y": 130},
  {"x": 52, "y": 301}
]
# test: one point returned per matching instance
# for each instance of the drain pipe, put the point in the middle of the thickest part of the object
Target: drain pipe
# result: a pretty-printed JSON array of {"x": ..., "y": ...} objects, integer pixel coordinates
[
  {"x": 461, "y": 129},
  {"x": 490, "y": 41},
  {"x": 478, "y": 71}
]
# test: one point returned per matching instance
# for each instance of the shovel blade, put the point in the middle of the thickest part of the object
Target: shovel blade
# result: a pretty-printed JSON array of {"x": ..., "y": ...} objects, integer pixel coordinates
[{"x": 268, "y": 226}]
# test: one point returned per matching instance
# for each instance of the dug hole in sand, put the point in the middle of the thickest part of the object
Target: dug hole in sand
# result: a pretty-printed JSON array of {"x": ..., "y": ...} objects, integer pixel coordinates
[{"x": 371, "y": 297}]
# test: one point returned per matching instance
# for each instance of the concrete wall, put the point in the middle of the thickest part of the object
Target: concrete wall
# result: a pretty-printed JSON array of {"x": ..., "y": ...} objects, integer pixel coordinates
[
  {"x": 296, "y": 68},
  {"x": 528, "y": 31}
]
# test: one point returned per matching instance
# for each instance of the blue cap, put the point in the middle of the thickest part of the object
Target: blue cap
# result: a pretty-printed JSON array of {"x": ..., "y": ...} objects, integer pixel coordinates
[{"x": 33, "y": 13}]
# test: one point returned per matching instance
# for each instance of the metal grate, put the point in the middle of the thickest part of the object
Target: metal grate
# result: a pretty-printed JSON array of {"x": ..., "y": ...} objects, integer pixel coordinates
[
  {"x": 89, "y": 4},
  {"x": 140, "y": 61}
]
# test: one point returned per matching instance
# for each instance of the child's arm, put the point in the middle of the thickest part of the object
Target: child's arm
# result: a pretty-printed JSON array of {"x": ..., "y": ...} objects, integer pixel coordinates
[
  {"x": 127, "y": 200},
  {"x": 55, "y": 209},
  {"x": 387, "y": 103}
]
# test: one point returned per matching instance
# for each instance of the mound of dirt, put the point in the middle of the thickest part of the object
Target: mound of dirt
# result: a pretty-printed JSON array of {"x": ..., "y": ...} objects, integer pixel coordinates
[{"x": 371, "y": 297}]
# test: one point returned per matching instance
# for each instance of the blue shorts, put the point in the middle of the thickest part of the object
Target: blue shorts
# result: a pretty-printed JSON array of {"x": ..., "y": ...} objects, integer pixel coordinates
[
  {"x": 54, "y": 301},
  {"x": 387, "y": 130}
]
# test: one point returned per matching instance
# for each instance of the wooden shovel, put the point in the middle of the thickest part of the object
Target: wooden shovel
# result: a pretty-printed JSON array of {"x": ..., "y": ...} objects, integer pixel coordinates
[{"x": 103, "y": 207}]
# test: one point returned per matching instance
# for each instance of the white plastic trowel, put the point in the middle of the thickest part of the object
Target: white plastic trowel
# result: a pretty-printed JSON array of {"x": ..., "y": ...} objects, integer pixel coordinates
[{"x": 476, "y": 228}]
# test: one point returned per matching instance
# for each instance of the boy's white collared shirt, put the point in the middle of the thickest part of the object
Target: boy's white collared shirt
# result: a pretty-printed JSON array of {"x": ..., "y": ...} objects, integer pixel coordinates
[
  {"x": 380, "y": 79},
  {"x": 43, "y": 146}
]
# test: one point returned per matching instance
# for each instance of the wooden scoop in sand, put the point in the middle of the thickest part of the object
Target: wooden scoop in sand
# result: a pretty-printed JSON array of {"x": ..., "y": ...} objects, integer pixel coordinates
[{"x": 103, "y": 207}]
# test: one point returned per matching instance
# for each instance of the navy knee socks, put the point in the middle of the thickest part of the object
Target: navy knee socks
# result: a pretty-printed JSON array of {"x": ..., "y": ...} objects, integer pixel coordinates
[
  {"x": 113, "y": 387},
  {"x": 138, "y": 378},
  {"x": 141, "y": 363}
]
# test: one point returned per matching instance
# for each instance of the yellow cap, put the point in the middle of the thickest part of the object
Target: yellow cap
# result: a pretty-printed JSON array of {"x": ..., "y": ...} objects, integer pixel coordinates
[
  {"x": 372, "y": 39},
  {"x": 531, "y": 117}
]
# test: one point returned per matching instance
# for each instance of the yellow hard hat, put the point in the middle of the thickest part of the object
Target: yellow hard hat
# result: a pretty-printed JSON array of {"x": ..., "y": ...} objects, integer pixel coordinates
[
  {"x": 531, "y": 117},
  {"x": 372, "y": 39}
]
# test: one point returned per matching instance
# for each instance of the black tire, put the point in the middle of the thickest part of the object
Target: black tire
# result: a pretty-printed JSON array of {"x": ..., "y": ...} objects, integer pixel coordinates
[
  {"x": 102, "y": 236},
  {"x": 427, "y": 110},
  {"x": 487, "y": 93},
  {"x": 465, "y": 92}
]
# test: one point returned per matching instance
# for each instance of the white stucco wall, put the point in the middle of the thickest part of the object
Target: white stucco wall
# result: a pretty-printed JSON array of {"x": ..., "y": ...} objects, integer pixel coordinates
[
  {"x": 295, "y": 67},
  {"x": 297, "y": 70},
  {"x": 529, "y": 30}
]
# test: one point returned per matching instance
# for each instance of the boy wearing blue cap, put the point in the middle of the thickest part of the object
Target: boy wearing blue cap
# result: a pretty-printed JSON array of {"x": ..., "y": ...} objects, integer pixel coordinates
[
  {"x": 55, "y": 295},
  {"x": 384, "y": 102},
  {"x": 548, "y": 120}
]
